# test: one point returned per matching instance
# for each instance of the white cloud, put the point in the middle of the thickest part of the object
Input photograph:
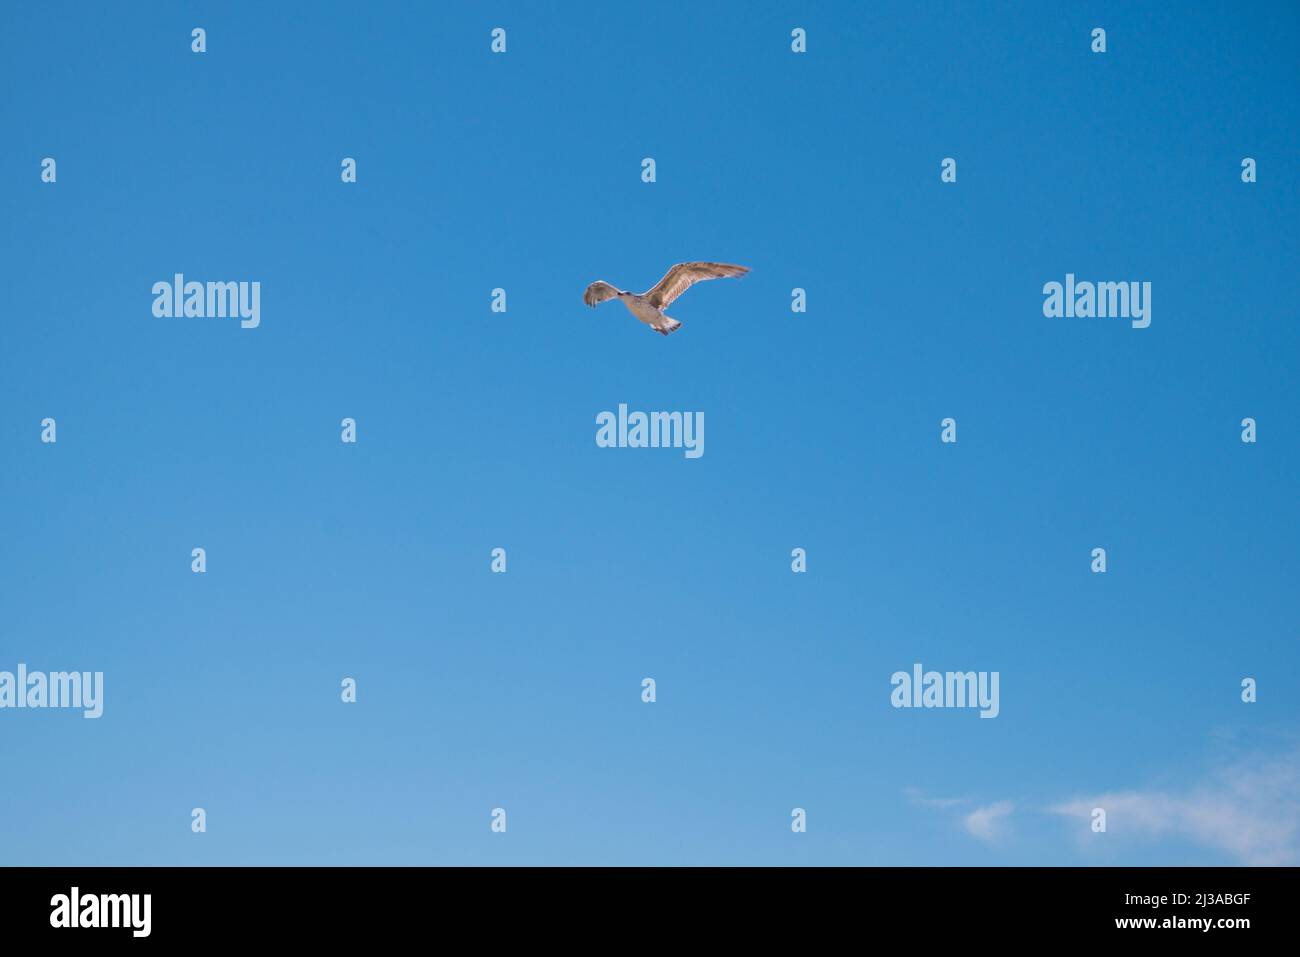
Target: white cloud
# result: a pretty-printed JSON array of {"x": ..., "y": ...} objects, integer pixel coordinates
[
  {"x": 1249, "y": 810},
  {"x": 988, "y": 823}
]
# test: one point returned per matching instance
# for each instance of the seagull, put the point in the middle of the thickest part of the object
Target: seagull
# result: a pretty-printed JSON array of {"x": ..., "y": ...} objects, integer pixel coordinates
[{"x": 649, "y": 306}]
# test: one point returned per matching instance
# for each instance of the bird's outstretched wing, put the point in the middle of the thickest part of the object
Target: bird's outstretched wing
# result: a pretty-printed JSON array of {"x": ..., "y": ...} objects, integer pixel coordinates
[
  {"x": 598, "y": 292},
  {"x": 684, "y": 275}
]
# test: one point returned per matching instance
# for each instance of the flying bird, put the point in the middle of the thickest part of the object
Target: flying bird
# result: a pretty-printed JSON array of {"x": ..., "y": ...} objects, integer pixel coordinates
[{"x": 649, "y": 306}]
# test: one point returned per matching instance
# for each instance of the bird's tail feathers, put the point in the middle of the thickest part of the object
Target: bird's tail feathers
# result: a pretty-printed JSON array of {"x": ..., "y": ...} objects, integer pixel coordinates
[{"x": 669, "y": 326}]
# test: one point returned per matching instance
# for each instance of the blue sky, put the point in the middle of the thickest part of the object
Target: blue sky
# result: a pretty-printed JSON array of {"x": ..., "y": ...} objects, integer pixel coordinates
[{"x": 476, "y": 430}]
